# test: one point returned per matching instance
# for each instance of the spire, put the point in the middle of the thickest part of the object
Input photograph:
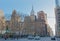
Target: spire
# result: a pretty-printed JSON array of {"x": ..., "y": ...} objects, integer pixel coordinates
[
  {"x": 32, "y": 7},
  {"x": 57, "y": 2},
  {"x": 32, "y": 11}
]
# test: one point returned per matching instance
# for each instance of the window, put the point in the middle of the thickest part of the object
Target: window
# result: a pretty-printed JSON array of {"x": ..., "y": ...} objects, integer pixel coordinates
[
  {"x": 58, "y": 19},
  {"x": 59, "y": 25}
]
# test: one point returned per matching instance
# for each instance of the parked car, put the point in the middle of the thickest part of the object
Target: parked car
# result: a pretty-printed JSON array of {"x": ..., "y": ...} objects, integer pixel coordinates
[
  {"x": 30, "y": 37},
  {"x": 37, "y": 38},
  {"x": 53, "y": 38},
  {"x": 24, "y": 36}
]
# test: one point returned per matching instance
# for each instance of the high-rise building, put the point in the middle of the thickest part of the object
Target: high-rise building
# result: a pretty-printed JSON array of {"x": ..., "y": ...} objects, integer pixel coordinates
[
  {"x": 42, "y": 22},
  {"x": 57, "y": 3},
  {"x": 29, "y": 23},
  {"x": 57, "y": 14},
  {"x": 32, "y": 15}
]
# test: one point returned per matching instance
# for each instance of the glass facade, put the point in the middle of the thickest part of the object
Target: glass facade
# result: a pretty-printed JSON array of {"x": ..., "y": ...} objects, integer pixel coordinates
[{"x": 57, "y": 2}]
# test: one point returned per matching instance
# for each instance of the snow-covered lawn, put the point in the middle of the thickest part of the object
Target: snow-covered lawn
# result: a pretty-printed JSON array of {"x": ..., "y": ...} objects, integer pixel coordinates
[{"x": 26, "y": 39}]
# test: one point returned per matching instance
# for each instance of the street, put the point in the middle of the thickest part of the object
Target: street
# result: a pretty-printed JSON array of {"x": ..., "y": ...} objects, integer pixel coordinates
[{"x": 26, "y": 39}]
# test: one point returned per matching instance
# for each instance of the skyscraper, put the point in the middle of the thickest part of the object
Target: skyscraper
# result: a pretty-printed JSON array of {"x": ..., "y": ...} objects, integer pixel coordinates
[
  {"x": 29, "y": 23},
  {"x": 32, "y": 14},
  {"x": 32, "y": 11},
  {"x": 57, "y": 14},
  {"x": 57, "y": 2}
]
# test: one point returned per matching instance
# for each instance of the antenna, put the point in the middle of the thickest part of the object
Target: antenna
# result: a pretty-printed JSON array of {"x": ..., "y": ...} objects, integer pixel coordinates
[{"x": 32, "y": 11}]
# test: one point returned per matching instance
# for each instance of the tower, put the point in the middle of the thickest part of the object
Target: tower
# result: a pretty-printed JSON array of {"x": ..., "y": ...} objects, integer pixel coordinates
[
  {"x": 57, "y": 14},
  {"x": 32, "y": 11},
  {"x": 32, "y": 14}
]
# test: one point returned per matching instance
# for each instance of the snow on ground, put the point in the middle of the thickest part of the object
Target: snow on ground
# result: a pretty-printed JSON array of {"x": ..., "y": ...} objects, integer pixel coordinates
[
  {"x": 57, "y": 39},
  {"x": 41, "y": 39}
]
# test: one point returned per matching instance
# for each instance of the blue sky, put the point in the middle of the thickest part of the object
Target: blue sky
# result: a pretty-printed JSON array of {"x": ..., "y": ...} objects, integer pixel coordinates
[{"x": 25, "y": 6}]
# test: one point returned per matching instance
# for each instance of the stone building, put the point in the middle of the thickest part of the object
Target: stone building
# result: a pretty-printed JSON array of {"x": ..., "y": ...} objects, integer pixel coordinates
[{"x": 41, "y": 23}]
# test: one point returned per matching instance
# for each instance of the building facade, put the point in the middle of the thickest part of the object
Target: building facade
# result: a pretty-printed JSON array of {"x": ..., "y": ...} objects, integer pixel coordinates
[
  {"x": 57, "y": 14},
  {"x": 42, "y": 22}
]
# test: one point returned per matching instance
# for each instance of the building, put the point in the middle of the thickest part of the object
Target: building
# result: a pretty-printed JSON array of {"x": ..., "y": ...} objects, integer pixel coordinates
[
  {"x": 42, "y": 23},
  {"x": 15, "y": 22},
  {"x": 32, "y": 15},
  {"x": 42, "y": 16},
  {"x": 57, "y": 14},
  {"x": 34, "y": 25},
  {"x": 2, "y": 22},
  {"x": 29, "y": 23}
]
